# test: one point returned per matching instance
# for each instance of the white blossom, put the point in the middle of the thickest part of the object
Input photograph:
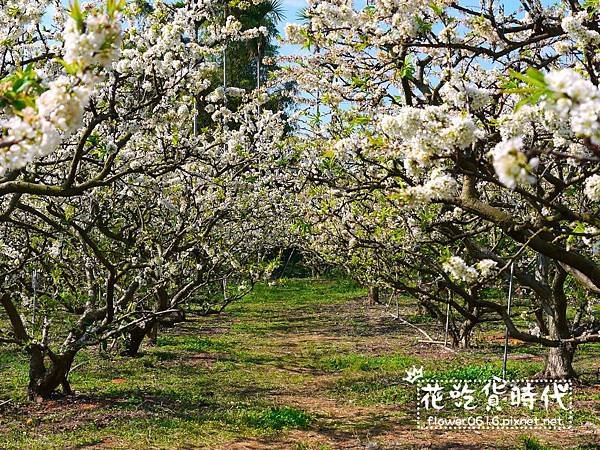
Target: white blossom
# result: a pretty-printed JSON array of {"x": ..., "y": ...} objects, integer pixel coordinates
[
  {"x": 485, "y": 266},
  {"x": 35, "y": 132},
  {"x": 511, "y": 164},
  {"x": 457, "y": 268},
  {"x": 592, "y": 188}
]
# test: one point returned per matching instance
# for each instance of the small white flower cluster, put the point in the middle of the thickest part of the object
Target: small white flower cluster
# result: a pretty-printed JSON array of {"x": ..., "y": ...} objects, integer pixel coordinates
[
  {"x": 458, "y": 269},
  {"x": 332, "y": 13},
  {"x": 235, "y": 92},
  {"x": 221, "y": 112},
  {"x": 216, "y": 96},
  {"x": 62, "y": 104},
  {"x": 405, "y": 14},
  {"x": 96, "y": 44},
  {"x": 520, "y": 123},
  {"x": 36, "y": 132},
  {"x": 17, "y": 17},
  {"x": 592, "y": 188},
  {"x": 30, "y": 136},
  {"x": 483, "y": 27},
  {"x": 592, "y": 241},
  {"x": 485, "y": 266},
  {"x": 575, "y": 28},
  {"x": 12, "y": 255},
  {"x": 233, "y": 30},
  {"x": 439, "y": 185},
  {"x": 254, "y": 33},
  {"x": 511, "y": 164},
  {"x": 468, "y": 94},
  {"x": 579, "y": 100},
  {"x": 232, "y": 26},
  {"x": 294, "y": 33},
  {"x": 420, "y": 134}
]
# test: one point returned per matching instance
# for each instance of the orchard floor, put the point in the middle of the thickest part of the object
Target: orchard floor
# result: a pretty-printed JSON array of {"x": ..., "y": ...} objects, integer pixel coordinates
[{"x": 305, "y": 364}]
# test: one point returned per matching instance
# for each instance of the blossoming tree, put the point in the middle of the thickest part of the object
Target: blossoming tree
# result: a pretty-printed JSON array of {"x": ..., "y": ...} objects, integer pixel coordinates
[
  {"x": 137, "y": 207},
  {"x": 445, "y": 142}
]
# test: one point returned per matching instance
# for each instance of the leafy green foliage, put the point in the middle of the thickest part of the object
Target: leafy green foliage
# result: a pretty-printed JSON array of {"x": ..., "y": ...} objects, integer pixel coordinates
[
  {"x": 19, "y": 89},
  {"x": 531, "y": 85},
  {"x": 593, "y": 5},
  {"x": 77, "y": 15},
  {"x": 408, "y": 69}
]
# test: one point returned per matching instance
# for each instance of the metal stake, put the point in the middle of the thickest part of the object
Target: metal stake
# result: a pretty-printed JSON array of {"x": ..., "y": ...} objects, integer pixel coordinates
[
  {"x": 258, "y": 69},
  {"x": 196, "y": 102},
  {"x": 447, "y": 319},
  {"x": 34, "y": 303},
  {"x": 225, "y": 73},
  {"x": 510, "y": 293}
]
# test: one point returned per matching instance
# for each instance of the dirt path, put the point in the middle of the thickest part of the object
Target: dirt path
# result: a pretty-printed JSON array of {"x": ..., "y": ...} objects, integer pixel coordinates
[{"x": 344, "y": 424}]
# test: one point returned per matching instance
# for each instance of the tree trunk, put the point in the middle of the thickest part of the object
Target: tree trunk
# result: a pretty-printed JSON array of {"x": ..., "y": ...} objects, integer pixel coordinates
[
  {"x": 373, "y": 295},
  {"x": 153, "y": 333},
  {"x": 462, "y": 332},
  {"x": 466, "y": 333},
  {"x": 464, "y": 340},
  {"x": 559, "y": 363},
  {"x": 44, "y": 381},
  {"x": 149, "y": 328},
  {"x": 539, "y": 319},
  {"x": 135, "y": 337}
]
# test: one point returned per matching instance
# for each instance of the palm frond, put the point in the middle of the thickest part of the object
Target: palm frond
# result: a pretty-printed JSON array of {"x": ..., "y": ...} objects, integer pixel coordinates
[
  {"x": 275, "y": 9},
  {"x": 303, "y": 15}
]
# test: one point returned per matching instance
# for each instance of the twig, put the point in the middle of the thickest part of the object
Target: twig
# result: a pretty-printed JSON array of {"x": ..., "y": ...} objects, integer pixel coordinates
[
  {"x": 76, "y": 366},
  {"x": 406, "y": 322},
  {"x": 396, "y": 316},
  {"x": 525, "y": 245}
]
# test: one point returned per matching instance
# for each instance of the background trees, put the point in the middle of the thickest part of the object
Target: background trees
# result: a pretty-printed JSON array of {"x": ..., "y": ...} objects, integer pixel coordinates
[{"x": 139, "y": 211}]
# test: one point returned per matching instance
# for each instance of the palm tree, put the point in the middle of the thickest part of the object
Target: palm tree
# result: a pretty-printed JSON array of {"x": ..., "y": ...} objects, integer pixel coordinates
[{"x": 267, "y": 14}]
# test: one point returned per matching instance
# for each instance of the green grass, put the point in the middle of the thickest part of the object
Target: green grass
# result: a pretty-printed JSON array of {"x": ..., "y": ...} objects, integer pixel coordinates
[
  {"x": 15, "y": 372},
  {"x": 485, "y": 371},
  {"x": 278, "y": 418},
  {"x": 531, "y": 443},
  {"x": 373, "y": 390},
  {"x": 365, "y": 363},
  {"x": 299, "y": 359}
]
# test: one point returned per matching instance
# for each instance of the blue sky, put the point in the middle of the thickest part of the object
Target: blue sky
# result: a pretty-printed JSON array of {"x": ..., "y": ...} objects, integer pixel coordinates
[
  {"x": 292, "y": 7},
  {"x": 291, "y": 10}
]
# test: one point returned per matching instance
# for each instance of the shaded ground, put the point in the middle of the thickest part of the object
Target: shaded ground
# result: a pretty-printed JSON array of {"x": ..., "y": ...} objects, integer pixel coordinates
[{"x": 303, "y": 365}]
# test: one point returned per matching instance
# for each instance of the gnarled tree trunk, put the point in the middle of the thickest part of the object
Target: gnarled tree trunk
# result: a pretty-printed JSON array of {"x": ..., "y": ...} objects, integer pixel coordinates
[
  {"x": 465, "y": 334},
  {"x": 45, "y": 380},
  {"x": 150, "y": 327},
  {"x": 559, "y": 363},
  {"x": 135, "y": 336},
  {"x": 373, "y": 295}
]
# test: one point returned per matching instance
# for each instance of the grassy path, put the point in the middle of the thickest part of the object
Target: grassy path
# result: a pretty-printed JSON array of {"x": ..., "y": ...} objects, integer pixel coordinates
[{"x": 302, "y": 365}]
